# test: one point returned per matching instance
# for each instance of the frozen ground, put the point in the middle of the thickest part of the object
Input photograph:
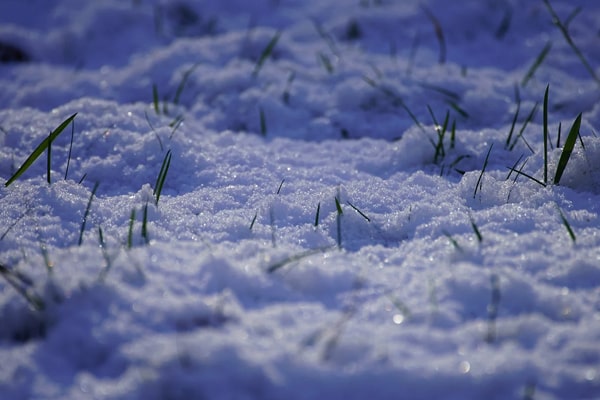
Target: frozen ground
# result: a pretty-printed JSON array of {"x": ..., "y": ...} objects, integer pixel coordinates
[{"x": 308, "y": 242}]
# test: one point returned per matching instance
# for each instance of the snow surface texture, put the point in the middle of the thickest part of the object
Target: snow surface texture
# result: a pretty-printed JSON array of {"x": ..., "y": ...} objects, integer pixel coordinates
[{"x": 245, "y": 281}]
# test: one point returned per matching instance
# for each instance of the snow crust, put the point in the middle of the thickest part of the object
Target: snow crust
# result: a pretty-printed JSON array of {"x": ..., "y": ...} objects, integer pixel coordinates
[{"x": 436, "y": 281}]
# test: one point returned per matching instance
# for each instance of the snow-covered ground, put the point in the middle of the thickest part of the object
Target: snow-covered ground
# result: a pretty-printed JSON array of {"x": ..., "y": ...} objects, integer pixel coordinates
[{"x": 315, "y": 237}]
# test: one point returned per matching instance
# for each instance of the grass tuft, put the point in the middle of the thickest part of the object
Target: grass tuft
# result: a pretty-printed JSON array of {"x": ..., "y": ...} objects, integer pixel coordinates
[
  {"x": 24, "y": 286},
  {"x": 43, "y": 146}
]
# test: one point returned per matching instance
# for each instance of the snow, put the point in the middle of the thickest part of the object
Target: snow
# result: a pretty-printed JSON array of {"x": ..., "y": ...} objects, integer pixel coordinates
[{"x": 245, "y": 281}]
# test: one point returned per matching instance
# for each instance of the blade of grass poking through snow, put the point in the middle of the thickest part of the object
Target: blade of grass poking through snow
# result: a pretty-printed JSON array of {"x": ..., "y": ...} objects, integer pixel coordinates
[
  {"x": 263, "y": 121},
  {"x": 439, "y": 33},
  {"x": 286, "y": 91},
  {"x": 70, "y": 149},
  {"x": 162, "y": 176},
  {"x": 326, "y": 62},
  {"x": 475, "y": 229},
  {"x": 155, "y": 98},
  {"x": 566, "y": 224},
  {"x": 86, "y": 213},
  {"x": 515, "y": 117},
  {"x": 440, "y": 152},
  {"x": 567, "y": 149},
  {"x": 338, "y": 221},
  {"x": 266, "y": 53},
  {"x": 23, "y": 285},
  {"x": 296, "y": 257},
  {"x": 453, "y": 241},
  {"x": 537, "y": 62},
  {"x": 145, "y": 224},
  {"x": 485, "y": 163},
  {"x": 358, "y": 211},
  {"x": 183, "y": 82},
  {"x": 395, "y": 99},
  {"x": 48, "y": 162},
  {"x": 253, "y": 220},
  {"x": 280, "y": 186},
  {"x": 43, "y": 146},
  {"x": 565, "y": 32},
  {"x": 545, "y": 122},
  {"x": 317, "y": 214},
  {"x": 130, "y": 230},
  {"x": 520, "y": 172},
  {"x": 522, "y": 130}
]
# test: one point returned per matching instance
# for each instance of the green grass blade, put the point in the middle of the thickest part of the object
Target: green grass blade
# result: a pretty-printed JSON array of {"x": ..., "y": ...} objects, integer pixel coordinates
[
  {"x": 338, "y": 221},
  {"x": 155, "y": 98},
  {"x": 546, "y": 134},
  {"x": 183, "y": 82},
  {"x": 476, "y": 229},
  {"x": 70, "y": 149},
  {"x": 567, "y": 149},
  {"x": 263, "y": 121},
  {"x": 563, "y": 27},
  {"x": 86, "y": 213},
  {"x": 529, "y": 118},
  {"x": 538, "y": 61},
  {"x": 515, "y": 117},
  {"x": 43, "y": 146},
  {"x": 358, "y": 211},
  {"x": 145, "y": 224},
  {"x": 22, "y": 285},
  {"x": 253, "y": 220},
  {"x": 280, "y": 186},
  {"x": 453, "y": 241},
  {"x": 49, "y": 162},
  {"x": 519, "y": 172},
  {"x": 567, "y": 225},
  {"x": 162, "y": 175},
  {"x": 485, "y": 163},
  {"x": 439, "y": 33},
  {"x": 296, "y": 257},
  {"x": 266, "y": 53},
  {"x": 130, "y": 231},
  {"x": 317, "y": 215}
]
